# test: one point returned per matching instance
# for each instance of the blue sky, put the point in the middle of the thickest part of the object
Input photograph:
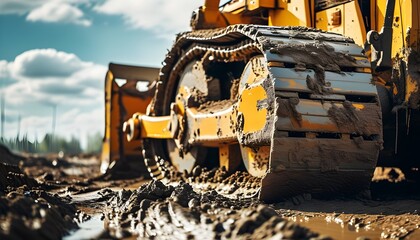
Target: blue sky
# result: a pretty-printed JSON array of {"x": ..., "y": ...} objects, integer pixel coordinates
[{"x": 55, "y": 53}]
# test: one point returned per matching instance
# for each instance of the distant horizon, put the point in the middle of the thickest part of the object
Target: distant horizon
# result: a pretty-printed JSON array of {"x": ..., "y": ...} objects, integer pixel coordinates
[{"x": 44, "y": 144}]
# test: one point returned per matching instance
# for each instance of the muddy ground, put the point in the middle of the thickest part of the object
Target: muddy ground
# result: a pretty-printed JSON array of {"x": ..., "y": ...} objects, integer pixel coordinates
[{"x": 50, "y": 197}]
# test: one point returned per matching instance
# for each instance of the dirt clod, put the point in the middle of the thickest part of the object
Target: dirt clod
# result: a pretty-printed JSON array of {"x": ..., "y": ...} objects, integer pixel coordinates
[{"x": 28, "y": 211}]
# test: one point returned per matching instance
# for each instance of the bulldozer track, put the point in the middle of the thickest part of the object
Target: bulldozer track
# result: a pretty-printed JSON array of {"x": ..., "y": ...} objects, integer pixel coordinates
[{"x": 326, "y": 131}]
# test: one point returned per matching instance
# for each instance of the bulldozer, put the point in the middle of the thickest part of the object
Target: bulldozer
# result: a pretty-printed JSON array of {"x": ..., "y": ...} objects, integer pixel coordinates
[{"x": 309, "y": 96}]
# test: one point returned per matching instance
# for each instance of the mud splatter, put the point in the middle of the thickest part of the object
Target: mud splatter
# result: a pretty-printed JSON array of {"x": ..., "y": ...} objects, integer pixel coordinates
[
  {"x": 234, "y": 89},
  {"x": 319, "y": 57},
  {"x": 261, "y": 137},
  {"x": 318, "y": 84},
  {"x": 196, "y": 98},
  {"x": 413, "y": 68},
  {"x": 214, "y": 106},
  {"x": 349, "y": 119},
  {"x": 320, "y": 53},
  {"x": 287, "y": 108}
]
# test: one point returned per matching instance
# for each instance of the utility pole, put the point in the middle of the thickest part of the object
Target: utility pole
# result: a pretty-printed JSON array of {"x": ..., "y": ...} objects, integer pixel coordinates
[
  {"x": 2, "y": 116},
  {"x": 53, "y": 123},
  {"x": 36, "y": 142},
  {"x": 3, "y": 105},
  {"x": 18, "y": 127}
]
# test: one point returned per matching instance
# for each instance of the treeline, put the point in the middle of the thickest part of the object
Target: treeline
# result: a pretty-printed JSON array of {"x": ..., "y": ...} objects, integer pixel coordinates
[{"x": 55, "y": 144}]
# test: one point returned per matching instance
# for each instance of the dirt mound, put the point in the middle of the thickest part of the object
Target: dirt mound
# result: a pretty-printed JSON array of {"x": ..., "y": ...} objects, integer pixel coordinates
[
  {"x": 158, "y": 210},
  {"x": 27, "y": 211},
  {"x": 240, "y": 183},
  {"x": 6, "y": 156},
  {"x": 12, "y": 177}
]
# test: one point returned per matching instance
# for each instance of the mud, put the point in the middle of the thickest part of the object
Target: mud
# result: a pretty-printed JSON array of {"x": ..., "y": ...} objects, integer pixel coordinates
[
  {"x": 27, "y": 211},
  {"x": 203, "y": 204},
  {"x": 6, "y": 156},
  {"x": 319, "y": 57},
  {"x": 239, "y": 184},
  {"x": 214, "y": 106},
  {"x": 413, "y": 68},
  {"x": 287, "y": 108},
  {"x": 186, "y": 211},
  {"x": 261, "y": 137},
  {"x": 363, "y": 122},
  {"x": 322, "y": 54},
  {"x": 156, "y": 210}
]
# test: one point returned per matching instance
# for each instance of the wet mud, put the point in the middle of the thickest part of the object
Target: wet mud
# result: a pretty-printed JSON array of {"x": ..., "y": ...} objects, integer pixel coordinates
[
  {"x": 27, "y": 211},
  {"x": 326, "y": 57},
  {"x": 319, "y": 57},
  {"x": 287, "y": 108},
  {"x": 53, "y": 198},
  {"x": 362, "y": 122},
  {"x": 157, "y": 210}
]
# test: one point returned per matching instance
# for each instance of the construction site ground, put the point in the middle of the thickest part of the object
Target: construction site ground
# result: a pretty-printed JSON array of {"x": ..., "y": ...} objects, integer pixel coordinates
[{"x": 53, "y": 197}]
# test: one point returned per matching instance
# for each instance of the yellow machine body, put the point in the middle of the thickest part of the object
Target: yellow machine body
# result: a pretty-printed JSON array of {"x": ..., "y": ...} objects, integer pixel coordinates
[
  {"x": 305, "y": 104},
  {"x": 128, "y": 89}
]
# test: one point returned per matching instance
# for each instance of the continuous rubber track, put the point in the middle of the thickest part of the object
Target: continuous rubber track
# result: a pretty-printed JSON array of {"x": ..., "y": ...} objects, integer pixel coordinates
[{"x": 325, "y": 131}]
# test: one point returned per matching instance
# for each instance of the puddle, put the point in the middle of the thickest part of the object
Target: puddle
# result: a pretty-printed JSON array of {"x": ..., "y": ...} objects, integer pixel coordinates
[
  {"x": 86, "y": 197},
  {"x": 90, "y": 229},
  {"x": 335, "y": 228},
  {"x": 74, "y": 171}
]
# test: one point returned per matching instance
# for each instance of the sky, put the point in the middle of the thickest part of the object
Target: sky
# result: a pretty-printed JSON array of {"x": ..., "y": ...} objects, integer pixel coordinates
[{"x": 54, "y": 54}]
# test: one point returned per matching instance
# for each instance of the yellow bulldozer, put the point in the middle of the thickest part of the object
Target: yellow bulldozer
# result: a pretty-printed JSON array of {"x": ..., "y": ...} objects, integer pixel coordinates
[{"x": 310, "y": 96}]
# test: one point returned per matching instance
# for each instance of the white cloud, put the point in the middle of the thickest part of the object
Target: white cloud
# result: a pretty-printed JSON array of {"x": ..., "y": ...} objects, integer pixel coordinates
[
  {"x": 19, "y": 6},
  {"x": 164, "y": 17},
  {"x": 46, "y": 63},
  {"x": 4, "y": 69},
  {"x": 57, "y": 11},
  {"x": 24, "y": 6},
  {"x": 49, "y": 76},
  {"x": 52, "y": 11},
  {"x": 44, "y": 78}
]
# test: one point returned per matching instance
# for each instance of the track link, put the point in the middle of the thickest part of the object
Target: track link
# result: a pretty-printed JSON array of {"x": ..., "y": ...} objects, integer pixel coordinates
[{"x": 326, "y": 128}]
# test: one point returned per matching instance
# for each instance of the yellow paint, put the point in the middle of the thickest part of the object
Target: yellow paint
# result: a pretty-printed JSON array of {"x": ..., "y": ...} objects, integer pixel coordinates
[
  {"x": 290, "y": 13},
  {"x": 214, "y": 128},
  {"x": 229, "y": 156},
  {"x": 238, "y": 7},
  {"x": 358, "y": 106},
  {"x": 117, "y": 102},
  {"x": 295, "y": 84},
  {"x": 254, "y": 119},
  {"x": 351, "y": 21},
  {"x": 155, "y": 127},
  {"x": 256, "y": 160},
  {"x": 354, "y": 26},
  {"x": 323, "y": 19}
]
